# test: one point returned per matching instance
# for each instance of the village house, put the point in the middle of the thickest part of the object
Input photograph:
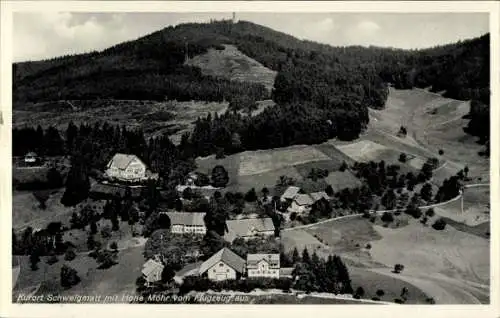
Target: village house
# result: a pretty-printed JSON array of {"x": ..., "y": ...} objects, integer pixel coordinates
[
  {"x": 129, "y": 168},
  {"x": 223, "y": 265},
  {"x": 301, "y": 204},
  {"x": 263, "y": 265},
  {"x": 248, "y": 228},
  {"x": 152, "y": 270},
  {"x": 290, "y": 193},
  {"x": 316, "y": 196},
  {"x": 187, "y": 222},
  {"x": 31, "y": 158}
]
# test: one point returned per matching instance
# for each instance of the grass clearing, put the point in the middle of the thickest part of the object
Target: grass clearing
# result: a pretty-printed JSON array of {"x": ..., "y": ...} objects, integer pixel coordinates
[
  {"x": 345, "y": 235},
  {"x": 117, "y": 280},
  {"x": 232, "y": 64},
  {"x": 392, "y": 286},
  {"x": 337, "y": 156},
  {"x": 267, "y": 179},
  {"x": 340, "y": 180},
  {"x": 26, "y": 210},
  {"x": 255, "y": 162},
  {"x": 476, "y": 210},
  {"x": 305, "y": 168},
  {"x": 451, "y": 252}
]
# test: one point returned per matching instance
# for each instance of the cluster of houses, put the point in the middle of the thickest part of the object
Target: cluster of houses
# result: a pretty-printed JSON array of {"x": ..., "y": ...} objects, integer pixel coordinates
[
  {"x": 300, "y": 202},
  {"x": 224, "y": 265},
  {"x": 193, "y": 222}
]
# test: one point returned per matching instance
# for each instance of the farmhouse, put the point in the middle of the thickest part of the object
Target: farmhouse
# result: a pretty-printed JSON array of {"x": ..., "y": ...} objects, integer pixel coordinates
[
  {"x": 187, "y": 222},
  {"x": 301, "y": 203},
  {"x": 223, "y": 265},
  {"x": 290, "y": 193},
  {"x": 248, "y": 228},
  {"x": 316, "y": 196},
  {"x": 263, "y": 265},
  {"x": 152, "y": 270},
  {"x": 31, "y": 158},
  {"x": 129, "y": 168}
]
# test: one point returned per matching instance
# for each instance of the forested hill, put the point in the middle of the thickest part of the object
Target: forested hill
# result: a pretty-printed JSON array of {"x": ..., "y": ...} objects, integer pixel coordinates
[{"x": 321, "y": 91}]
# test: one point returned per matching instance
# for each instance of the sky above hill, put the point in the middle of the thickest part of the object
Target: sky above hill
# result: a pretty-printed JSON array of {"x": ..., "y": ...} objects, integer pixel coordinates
[{"x": 43, "y": 35}]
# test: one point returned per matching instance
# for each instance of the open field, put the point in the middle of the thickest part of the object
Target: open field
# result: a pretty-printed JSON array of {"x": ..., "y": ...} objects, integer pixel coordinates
[
  {"x": 372, "y": 281},
  {"x": 27, "y": 212},
  {"x": 340, "y": 180},
  {"x": 433, "y": 123},
  {"x": 262, "y": 168},
  {"x": 452, "y": 265},
  {"x": 254, "y": 162},
  {"x": 117, "y": 280},
  {"x": 232, "y": 64},
  {"x": 475, "y": 207}
]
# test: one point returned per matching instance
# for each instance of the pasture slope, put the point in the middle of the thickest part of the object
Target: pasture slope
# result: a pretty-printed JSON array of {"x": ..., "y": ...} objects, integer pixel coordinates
[{"x": 232, "y": 64}]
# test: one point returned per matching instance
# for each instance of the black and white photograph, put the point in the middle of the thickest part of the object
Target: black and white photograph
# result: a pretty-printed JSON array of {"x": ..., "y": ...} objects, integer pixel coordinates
[{"x": 247, "y": 158}]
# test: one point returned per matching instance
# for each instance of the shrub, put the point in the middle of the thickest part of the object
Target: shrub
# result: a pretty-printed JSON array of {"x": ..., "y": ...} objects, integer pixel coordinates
[
  {"x": 113, "y": 246},
  {"x": 372, "y": 219},
  {"x": 366, "y": 214},
  {"x": 430, "y": 212},
  {"x": 430, "y": 300},
  {"x": 439, "y": 225},
  {"x": 441, "y": 152},
  {"x": 70, "y": 255},
  {"x": 375, "y": 298},
  {"x": 69, "y": 276},
  {"x": 398, "y": 268},
  {"x": 359, "y": 292},
  {"x": 343, "y": 166},
  {"x": 52, "y": 260},
  {"x": 293, "y": 216},
  {"x": 387, "y": 217},
  {"x": 368, "y": 246},
  {"x": 424, "y": 220},
  {"x": 398, "y": 301},
  {"x": 402, "y": 157},
  {"x": 380, "y": 293}
]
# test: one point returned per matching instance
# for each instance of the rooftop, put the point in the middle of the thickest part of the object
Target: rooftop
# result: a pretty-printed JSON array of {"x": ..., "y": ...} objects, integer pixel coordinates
[
  {"x": 228, "y": 257},
  {"x": 247, "y": 227},
  {"x": 186, "y": 218}
]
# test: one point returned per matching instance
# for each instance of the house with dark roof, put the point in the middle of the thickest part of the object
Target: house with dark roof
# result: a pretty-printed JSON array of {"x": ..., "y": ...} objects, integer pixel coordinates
[
  {"x": 316, "y": 196},
  {"x": 301, "y": 204},
  {"x": 223, "y": 265},
  {"x": 129, "y": 168},
  {"x": 248, "y": 228},
  {"x": 187, "y": 222},
  {"x": 263, "y": 265}
]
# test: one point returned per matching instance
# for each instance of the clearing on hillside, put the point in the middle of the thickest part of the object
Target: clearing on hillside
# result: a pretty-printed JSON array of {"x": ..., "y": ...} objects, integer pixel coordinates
[
  {"x": 433, "y": 123},
  {"x": 255, "y": 162},
  {"x": 232, "y": 64},
  {"x": 476, "y": 208}
]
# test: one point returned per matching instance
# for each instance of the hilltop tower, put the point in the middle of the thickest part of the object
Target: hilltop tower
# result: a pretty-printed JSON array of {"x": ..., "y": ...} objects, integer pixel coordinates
[{"x": 234, "y": 17}]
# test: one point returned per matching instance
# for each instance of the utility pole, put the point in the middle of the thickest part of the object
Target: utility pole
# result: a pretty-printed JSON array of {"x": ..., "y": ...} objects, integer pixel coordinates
[{"x": 234, "y": 17}]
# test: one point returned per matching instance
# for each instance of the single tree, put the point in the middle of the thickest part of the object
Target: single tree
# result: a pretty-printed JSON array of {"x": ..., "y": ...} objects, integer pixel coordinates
[
  {"x": 34, "y": 259},
  {"x": 69, "y": 277},
  {"x": 69, "y": 255},
  {"x": 402, "y": 157},
  {"x": 220, "y": 177}
]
